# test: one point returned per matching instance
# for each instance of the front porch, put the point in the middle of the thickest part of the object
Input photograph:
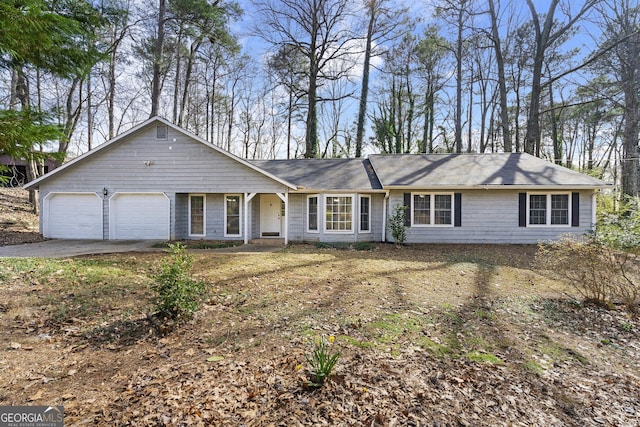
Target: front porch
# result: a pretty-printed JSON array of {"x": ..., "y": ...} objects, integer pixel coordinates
[
  {"x": 265, "y": 217},
  {"x": 231, "y": 216}
]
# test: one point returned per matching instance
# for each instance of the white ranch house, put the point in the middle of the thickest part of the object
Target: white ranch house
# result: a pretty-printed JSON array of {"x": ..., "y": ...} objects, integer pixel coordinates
[{"x": 158, "y": 181}]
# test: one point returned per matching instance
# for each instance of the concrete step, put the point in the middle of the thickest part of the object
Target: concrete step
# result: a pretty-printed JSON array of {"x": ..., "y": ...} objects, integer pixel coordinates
[{"x": 267, "y": 241}]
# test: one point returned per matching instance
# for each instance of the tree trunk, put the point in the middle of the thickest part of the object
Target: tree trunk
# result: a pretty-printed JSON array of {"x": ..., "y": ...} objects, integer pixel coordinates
[
  {"x": 630, "y": 152},
  {"x": 289, "y": 124},
  {"x": 157, "y": 59},
  {"x": 458, "y": 118},
  {"x": 187, "y": 79},
  {"x": 502, "y": 81},
  {"x": 177, "y": 80},
  {"x": 362, "y": 112},
  {"x": 89, "y": 114},
  {"x": 555, "y": 137},
  {"x": 470, "y": 115},
  {"x": 311, "y": 137}
]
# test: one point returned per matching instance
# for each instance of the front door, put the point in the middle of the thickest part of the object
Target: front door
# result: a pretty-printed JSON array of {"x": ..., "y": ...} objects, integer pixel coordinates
[{"x": 270, "y": 215}]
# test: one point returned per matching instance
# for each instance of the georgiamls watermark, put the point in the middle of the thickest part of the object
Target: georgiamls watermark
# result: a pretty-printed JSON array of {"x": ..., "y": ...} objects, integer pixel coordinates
[{"x": 31, "y": 416}]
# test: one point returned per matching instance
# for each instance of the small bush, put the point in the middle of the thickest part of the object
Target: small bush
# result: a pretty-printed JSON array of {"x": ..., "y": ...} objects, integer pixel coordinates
[
  {"x": 321, "y": 361},
  {"x": 343, "y": 246},
  {"x": 396, "y": 224},
  {"x": 177, "y": 293},
  {"x": 363, "y": 246},
  {"x": 598, "y": 272}
]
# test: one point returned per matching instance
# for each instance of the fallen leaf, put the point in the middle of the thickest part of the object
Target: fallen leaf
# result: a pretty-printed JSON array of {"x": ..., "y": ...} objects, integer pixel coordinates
[
  {"x": 37, "y": 395},
  {"x": 215, "y": 358}
]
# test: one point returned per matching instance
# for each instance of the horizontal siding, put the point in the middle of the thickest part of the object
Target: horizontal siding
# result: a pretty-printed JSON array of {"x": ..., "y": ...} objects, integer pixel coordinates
[
  {"x": 177, "y": 165},
  {"x": 297, "y": 221},
  {"x": 490, "y": 216}
]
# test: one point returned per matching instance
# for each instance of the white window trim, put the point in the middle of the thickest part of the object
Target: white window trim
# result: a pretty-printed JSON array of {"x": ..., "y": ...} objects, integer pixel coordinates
[
  {"x": 204, "y": 215},
  {"x": 364, "y": 196},
  {"x": 432, "y": 211},
  {"x": 318, "y": 213},
  {"x": 548, "y": 214},
  {"x": 353, "y": 211},
  {"x": 239, "y": 214}
]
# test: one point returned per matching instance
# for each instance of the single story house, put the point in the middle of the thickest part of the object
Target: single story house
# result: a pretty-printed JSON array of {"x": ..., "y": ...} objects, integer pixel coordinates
[{"x": 158, "y": 181}]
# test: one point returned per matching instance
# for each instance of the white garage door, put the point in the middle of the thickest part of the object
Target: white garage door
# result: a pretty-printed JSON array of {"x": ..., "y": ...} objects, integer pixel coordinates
[
  {"x": 134, "y": 216},
  {"x": 72, "y": 216}
]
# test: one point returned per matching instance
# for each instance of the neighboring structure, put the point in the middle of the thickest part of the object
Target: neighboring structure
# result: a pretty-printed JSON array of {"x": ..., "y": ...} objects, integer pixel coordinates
[
  {"x": 16, "y": 170},
  {"x": 157, "y": 181}
]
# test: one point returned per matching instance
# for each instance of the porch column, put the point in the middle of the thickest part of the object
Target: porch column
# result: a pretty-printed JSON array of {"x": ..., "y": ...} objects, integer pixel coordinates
[
  {"x": 247, "y": 198},
  {"x": 384, "y": 216},
  {"x": 285, "y": 198}
]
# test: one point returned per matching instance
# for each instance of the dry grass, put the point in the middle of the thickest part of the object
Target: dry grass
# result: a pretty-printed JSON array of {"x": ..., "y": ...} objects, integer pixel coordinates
[{"x": 446, "y": 334}]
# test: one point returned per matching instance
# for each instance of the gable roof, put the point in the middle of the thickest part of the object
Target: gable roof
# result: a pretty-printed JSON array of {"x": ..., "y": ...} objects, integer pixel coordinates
[
  {"x": 152, "y": 121},
  {"x": 324, "y": 174},
  {"x": 497, "y": 170}
]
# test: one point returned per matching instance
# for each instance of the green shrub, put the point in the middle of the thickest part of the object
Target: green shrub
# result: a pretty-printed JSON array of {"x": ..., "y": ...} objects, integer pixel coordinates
[
  {"x": 177, "y": 293},
  {"x": 363, "y": 246},
  {"x": 618, "y": 224},
  {"x": 396, "y": 224},
  {"x": 343, "y": 246}
]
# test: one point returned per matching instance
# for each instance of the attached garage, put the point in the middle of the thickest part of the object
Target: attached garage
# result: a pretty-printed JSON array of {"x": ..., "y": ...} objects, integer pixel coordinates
[
  {"x": 139, "y": 216},
  {"x": 72, "y": 216}
]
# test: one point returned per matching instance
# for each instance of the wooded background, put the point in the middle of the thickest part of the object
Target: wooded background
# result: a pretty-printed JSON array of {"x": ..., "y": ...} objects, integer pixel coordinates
[{"x": 559, "y": 79}]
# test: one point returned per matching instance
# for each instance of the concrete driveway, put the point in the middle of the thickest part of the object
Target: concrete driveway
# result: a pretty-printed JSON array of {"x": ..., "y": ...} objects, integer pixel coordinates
[{"x": 68, "y": 248}]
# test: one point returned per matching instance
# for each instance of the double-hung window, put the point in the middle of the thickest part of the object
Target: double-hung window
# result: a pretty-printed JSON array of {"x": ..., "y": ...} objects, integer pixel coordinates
[
  {"x": 338, "y": 213},
  {"x": 232, "y": 211},
  {"x": 197, "y": 214},
  {"x": 549, "y": 209},
  {"x": 312, "y": 214},
  {"x": 431, "y": 209},
  {"x": 365, "y": 214}
]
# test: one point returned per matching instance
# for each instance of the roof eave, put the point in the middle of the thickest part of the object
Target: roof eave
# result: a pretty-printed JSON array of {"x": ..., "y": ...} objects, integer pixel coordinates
[
  {"x": 501, "y": 187},
  {"x": 304, "y": 190}
]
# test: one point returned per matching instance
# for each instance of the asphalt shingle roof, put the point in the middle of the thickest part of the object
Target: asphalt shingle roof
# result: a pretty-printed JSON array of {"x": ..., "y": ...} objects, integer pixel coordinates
[
  {"x": 323, "y": 174},
  {"x": 475, "y": 170}
]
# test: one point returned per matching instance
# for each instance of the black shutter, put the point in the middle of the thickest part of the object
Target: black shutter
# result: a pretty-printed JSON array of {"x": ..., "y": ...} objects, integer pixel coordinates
[
  {"x": 407, "y": 209},
  {"x": 522, "y": 199},
  {"x": 575, "y": 209},
  {"x": 457, "y": 217}
]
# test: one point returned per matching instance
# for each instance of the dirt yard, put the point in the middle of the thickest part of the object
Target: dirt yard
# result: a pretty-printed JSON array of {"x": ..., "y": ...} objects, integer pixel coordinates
[
  {"x": 18, "y": 223},
  {"x": 427, "y": 335}
]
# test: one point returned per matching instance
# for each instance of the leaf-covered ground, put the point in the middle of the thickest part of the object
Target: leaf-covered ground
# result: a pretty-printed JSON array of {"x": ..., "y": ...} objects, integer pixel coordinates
[
  {"x": 18, "y": 223},
  {"x": 428, "y": 335}
]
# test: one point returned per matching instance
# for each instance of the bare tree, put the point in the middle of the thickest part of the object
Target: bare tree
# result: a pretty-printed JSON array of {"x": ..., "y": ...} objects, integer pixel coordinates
[
  {"x": 502, "y": 80},
  {"x": 621, "y": 19},
  {"x": 320, "y": 31},
  {"x": 385, "y": 22},
  {"x": 547, "y": 34}
]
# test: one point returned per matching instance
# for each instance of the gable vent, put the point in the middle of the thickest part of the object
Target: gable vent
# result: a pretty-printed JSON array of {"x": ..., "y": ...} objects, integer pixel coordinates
[{"x": 162, "y": 132}]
